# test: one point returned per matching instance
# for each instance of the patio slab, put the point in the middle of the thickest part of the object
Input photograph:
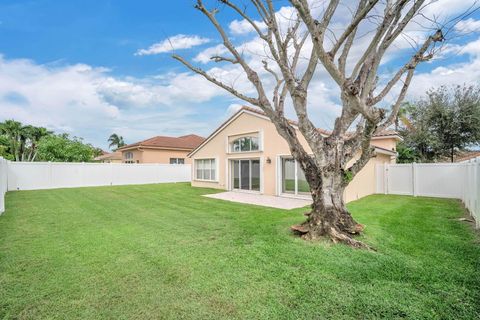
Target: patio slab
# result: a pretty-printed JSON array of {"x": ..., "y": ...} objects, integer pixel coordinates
[{"x": 261, "y": 200}]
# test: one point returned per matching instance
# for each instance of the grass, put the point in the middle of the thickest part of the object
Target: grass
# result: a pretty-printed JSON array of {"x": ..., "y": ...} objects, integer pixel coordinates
[{"x": 164, "y": 251}]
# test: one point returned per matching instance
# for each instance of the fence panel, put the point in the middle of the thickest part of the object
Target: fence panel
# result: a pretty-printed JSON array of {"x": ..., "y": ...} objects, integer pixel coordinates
[
  {"x": 443, "y": 180},
  {"x": 400, "y": 179},
  {"x": 3, "y": 183},
  {"x": 48, "y": 175}
]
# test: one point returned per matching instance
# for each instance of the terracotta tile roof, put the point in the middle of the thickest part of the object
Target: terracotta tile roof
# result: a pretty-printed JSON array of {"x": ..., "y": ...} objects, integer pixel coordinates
[
  {"x": 468, "y": 155},
  {"x": 189, "y": 142},
  {"x": 383, "y": 133},
  {"x": 111, "y": 156}
]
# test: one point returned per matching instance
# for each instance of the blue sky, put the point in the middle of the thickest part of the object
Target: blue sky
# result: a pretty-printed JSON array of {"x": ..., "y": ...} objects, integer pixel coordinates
[{"x": 78, "y": 67}]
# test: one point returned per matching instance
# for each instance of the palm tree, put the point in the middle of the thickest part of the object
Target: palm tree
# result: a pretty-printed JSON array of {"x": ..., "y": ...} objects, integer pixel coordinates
[
  {"x": 115, "y": 141},
  {"x": 402, "y": 116},
  {"x": 13, "y": 131},
  {"x": 36, "y": 134}
]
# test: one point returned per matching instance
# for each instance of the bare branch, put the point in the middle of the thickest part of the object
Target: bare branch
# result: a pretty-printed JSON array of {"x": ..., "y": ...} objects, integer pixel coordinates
[
  {"x": 317, "y": 39},
  {"x": 216, "y": 82},
  {"x": 418, "y": 57},
  {"x": 246, "y": 17},
  {"x": 223, "y": 59},
  {"x": 353, "y": 25}
]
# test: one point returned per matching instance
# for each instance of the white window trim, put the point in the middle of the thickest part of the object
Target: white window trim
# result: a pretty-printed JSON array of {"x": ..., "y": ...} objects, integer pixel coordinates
[
  {"x": 216, "y": 170},
  {"x": 256, "y": 134},
  {"x": 279, "y": 175},
  {"x": 230, "y": 171}
]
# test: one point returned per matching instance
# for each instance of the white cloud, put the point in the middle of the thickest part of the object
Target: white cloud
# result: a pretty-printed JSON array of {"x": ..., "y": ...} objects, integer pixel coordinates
[
  {"x": 177, "y": 42},
  {"x": 91, "y": 103},
  {"x": 467, "y": 26},
  {"x": 233, "y": 108},
  {"x": 242, "y": 27},
  {"x": 205, "y": 55}
]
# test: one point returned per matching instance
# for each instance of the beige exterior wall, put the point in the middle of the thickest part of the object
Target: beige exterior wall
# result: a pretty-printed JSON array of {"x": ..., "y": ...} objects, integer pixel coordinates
[
  {"x": 389, "y": 144},
  {"x": 364, "y": 182},
  {"x": 144, "y": 155},
  {"x": 272, "y": 147}
]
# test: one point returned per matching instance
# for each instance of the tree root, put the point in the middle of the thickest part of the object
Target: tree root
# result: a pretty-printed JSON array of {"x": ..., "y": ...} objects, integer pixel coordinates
[{"x": 306, "y": 232}]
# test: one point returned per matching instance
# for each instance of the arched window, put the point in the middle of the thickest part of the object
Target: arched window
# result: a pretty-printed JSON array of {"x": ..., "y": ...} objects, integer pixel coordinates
[{"x": 244, "y": 144}]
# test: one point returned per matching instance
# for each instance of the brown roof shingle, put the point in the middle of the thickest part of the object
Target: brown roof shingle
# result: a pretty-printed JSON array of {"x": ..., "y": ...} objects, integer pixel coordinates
[
  {"x": 323, "y": 131},
  {"x": 467, "y": 155},
  {"x": 188, "y": 142}
]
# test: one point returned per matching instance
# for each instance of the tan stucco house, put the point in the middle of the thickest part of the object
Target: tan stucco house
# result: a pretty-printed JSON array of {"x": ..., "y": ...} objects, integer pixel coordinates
[
  {"x": 161, "y": 149},
  {"x": 113, "y": 157},
  {"x": 247, "y": 154}
]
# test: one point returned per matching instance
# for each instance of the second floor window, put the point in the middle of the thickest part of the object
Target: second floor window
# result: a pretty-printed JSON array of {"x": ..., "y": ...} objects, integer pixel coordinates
[
  {"x": 128, "y": 157},
  {"x": 244, "y": 144},
  {"x": 177, "y": 160}
]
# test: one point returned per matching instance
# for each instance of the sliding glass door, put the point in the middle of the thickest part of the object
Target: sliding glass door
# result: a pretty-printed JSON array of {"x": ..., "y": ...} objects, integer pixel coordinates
[
  {"x": 293, "y": 178},
  {"x": 246, "y": 174}
]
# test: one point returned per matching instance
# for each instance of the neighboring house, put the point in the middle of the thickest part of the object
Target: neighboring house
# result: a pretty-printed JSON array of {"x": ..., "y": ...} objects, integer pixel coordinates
[
  {"x": 467, "y": 156},
  {"x": 247, "y": 154},
  {"x": 114, "y": 157},
  {"x": 161, "y": 149}
]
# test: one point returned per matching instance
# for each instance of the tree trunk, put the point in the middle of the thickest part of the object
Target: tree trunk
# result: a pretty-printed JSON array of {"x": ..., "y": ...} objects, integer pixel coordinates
[{"x": 329, "y": 217}]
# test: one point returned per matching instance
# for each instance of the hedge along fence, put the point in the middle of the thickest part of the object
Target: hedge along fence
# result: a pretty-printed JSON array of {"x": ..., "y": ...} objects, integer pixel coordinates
[
  {"x": 50, "y": 175},
  {"x": 443, "y": 180}
]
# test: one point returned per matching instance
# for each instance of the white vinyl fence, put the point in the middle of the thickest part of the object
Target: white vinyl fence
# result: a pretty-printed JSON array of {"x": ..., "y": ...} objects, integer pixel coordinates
[
  {"x": 50, "y": 175},
  {"x": 3, "y": 183},
  {"x": 443, "y": 180}
]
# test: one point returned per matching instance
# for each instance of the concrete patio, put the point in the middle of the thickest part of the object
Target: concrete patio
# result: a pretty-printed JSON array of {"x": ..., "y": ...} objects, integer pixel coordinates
[{"x": 261, "y": 200}]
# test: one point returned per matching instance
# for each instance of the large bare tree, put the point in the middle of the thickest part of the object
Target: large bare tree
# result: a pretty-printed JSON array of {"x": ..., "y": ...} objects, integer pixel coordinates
[{"x": 361, "y": 93}]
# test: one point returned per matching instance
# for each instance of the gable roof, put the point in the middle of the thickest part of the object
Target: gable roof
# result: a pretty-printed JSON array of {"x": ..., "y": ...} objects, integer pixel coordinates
[
  {"x": 259, "y": 113},
  {"x": 109, "y": 156},
  {"x": 187, "y": 142},
  {"x": 468, "y": 155}
]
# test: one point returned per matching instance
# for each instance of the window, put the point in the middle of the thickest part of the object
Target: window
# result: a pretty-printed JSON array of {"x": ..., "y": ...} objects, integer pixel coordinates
[
  {"x": 128, "y": 157},
  {"x": 177, "y": 161},
  {"x": 205, "y": 169},
  {"x": 244, "y": 144}
]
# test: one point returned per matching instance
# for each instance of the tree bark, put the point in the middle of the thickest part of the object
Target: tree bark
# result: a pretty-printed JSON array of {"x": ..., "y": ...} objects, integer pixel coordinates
[{"x": 329, "y": 217}]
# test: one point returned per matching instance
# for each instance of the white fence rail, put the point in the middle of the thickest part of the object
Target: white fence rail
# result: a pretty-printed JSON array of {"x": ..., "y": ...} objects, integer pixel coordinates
[
  {"x": 443, "y": 180},
  {"x": 50, "y": 175},
  {"x": 3, "y": 183}
]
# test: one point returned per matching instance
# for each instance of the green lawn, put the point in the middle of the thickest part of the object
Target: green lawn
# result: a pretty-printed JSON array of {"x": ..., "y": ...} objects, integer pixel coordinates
[{"x": 163, "y": 251}]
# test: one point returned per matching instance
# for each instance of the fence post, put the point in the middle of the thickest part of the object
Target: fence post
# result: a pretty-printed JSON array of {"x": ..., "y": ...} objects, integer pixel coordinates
[
  {"x": 414, "y": 179},
  {"x": 476, "y": 195},
  {"x": 111, "y": 173},
  {"x": 50, "y": 175},
  {"x": 385, "y": 178}
]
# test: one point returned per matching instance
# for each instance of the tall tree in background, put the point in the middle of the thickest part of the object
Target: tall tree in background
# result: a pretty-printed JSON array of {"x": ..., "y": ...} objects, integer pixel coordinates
[
  {"x": 116, "y": 141},
  {"x": 21, "y": 141},
  {"x": 446, "y": 121},
  {"x": 63, "y": 148},
  {"x": 12, "y": 131},
  {"x": 293, "y": 54},
  {"x": 30, "y": 137}
]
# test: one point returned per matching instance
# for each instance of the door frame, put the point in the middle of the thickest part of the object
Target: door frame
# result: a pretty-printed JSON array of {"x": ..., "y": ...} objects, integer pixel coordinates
[
  {"x": 279, "y": 168},
  {"x": 229, "y": 175}
]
